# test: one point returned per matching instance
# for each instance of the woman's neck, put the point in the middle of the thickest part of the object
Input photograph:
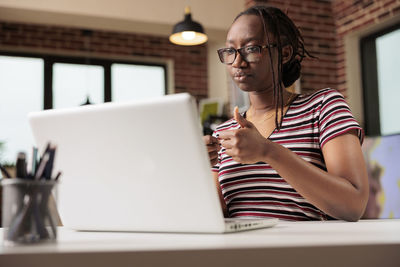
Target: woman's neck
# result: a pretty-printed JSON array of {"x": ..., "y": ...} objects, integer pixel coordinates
[{"x": 262, "y": 102}]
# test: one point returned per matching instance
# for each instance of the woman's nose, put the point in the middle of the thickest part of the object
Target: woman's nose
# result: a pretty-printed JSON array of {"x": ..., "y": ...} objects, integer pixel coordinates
[{"x": 239, "y": 61}]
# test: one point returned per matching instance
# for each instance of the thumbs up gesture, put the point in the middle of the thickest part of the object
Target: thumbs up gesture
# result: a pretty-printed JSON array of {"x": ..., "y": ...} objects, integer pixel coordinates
[
  {"x": 242, "y": 121},
  {"x": 245, "y": 145}
]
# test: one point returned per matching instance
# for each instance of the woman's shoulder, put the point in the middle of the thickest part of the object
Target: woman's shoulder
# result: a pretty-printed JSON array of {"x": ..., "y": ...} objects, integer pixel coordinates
[
  {"x": 320, "y": 96},
  {"x": 319, "y": 93}
]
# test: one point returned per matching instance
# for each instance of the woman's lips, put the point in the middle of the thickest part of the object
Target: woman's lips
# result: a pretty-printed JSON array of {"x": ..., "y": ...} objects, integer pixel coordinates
[{"x": 241, "y": 77}]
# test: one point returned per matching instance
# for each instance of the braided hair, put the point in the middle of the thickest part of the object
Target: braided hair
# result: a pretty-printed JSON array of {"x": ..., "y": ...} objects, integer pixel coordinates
[{"x": 286, "y": 33}]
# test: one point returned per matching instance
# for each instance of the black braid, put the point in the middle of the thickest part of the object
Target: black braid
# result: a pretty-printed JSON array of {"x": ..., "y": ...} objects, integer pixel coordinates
[{"x": 286, "y": 33}]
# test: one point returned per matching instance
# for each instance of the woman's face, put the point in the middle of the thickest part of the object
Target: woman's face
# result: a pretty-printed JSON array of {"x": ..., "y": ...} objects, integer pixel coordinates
[{"x": 255, "y": 76}]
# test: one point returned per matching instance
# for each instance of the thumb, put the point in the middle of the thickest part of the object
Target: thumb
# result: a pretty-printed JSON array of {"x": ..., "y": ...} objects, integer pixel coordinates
[{"x": 242, "y": 121}]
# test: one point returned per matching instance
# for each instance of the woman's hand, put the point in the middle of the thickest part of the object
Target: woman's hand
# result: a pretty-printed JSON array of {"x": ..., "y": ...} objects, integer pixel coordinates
[
  {"x": 212, "y": 148},
  {"x": 245, "y": 145}
]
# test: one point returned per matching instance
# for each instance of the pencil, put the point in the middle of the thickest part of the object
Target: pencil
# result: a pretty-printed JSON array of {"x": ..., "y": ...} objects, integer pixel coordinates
[{"x": 5, "y": 172}]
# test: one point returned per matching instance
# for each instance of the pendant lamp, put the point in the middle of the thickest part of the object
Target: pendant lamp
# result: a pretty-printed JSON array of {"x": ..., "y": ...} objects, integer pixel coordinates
[
  {"x": 188, "y": 32},
  {"x": 88, "y": 35}
]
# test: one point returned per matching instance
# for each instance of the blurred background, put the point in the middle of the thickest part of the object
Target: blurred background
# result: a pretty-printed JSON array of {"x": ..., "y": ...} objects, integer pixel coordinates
[{"x": 64, "y": 53}]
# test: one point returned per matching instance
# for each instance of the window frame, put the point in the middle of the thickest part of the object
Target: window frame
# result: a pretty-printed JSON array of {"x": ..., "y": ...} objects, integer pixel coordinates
[
  {"x": 50, "y": 60},
  {"x": 369, "y": 79}
]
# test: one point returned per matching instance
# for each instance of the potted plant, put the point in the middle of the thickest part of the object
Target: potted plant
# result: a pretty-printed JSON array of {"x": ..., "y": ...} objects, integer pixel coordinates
[{"x": 10, "y": 167}]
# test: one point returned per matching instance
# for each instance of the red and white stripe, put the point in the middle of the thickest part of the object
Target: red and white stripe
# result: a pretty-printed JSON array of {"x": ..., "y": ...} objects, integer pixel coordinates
[{"x": 257, "y": 190}]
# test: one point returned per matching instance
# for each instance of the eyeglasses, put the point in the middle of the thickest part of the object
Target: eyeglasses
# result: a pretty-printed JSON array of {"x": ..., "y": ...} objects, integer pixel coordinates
[{"x": 251, "y": 53}]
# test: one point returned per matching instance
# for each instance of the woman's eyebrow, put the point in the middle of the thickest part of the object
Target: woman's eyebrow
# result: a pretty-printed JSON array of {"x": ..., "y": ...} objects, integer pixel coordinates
[{"x": 247, "y": 40}]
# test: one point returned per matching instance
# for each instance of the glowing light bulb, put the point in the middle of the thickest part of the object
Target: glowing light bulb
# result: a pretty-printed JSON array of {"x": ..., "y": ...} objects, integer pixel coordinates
[{"x": 188, "y": 35}]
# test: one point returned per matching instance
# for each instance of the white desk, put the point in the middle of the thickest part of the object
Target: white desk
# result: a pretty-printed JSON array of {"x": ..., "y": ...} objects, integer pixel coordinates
[{"x": 364, "y": 243}]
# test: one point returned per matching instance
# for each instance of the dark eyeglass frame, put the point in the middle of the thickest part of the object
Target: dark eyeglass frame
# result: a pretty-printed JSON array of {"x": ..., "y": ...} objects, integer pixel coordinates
[{"x": 242, "y": 52}]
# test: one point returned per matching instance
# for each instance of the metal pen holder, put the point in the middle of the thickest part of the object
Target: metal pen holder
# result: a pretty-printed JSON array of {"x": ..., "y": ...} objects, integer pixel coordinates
[{"x": 26, "y": 215}]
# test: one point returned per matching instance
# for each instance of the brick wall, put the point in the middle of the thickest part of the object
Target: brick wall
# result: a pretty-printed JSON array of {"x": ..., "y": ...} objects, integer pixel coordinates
[
  {"x": 324, "y": 25},
  {"x": 316, "y": 23},
  {"x": 353, "y": 16},
  {"x": 190, "y": 63}
]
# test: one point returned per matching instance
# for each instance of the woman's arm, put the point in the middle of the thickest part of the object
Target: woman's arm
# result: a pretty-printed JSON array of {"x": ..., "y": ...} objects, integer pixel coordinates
[
  {"x": 212, "y": 146},
  {"x": 221, "y": 197},
  {"x": 341, "y": 191}
]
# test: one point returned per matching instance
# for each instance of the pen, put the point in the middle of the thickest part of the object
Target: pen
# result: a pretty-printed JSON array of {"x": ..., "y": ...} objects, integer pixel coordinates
[
  {"x": 34, "y": 159},
  {"x": 21, "y": 165},
  {"x": 42, "y": 165},
  {"x": 5, "y": 172},
  {"x": 49, "y": 166},
  {"x": 57, "y": 176}
]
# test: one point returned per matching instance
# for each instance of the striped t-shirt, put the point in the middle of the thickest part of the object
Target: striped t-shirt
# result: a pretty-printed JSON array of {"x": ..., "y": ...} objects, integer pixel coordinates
[{"x": 257, "y": 190}]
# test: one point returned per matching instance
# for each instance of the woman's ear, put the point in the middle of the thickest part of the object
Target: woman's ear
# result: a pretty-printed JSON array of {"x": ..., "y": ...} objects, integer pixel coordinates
[{"x": 287, "y": 52}]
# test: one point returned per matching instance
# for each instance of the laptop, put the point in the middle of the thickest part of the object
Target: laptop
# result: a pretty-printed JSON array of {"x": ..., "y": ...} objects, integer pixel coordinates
[{"x": 135, "y": 166}]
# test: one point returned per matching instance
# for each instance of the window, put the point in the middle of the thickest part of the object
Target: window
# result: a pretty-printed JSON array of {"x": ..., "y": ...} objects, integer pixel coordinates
[
  {"x": 136, "y": 81},
  {"x": 380, "y": 59},
  {"x": 21, "y": 91},
  {"x": 74, "y": 84},
  {"x": 388, "y": 56},
  {"x": 30, "y": 82}
]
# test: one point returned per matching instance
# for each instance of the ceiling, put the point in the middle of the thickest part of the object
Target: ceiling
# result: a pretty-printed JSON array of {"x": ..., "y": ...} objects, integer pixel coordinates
[{"x": 151, "y": 17}]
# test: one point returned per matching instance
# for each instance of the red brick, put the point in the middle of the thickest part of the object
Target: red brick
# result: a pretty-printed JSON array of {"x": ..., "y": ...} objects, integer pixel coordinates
[
  {"x": 389, "y": 3},
  {"x": 374, "y": 10},
  {"x": 192, "y": 60},
  {"x": 323, "y": 25},
  {"x": 384, "y": 15}
]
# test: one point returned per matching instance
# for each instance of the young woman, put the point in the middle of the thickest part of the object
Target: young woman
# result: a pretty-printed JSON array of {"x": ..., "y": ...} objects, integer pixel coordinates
[{"x": 289, "y": 156}]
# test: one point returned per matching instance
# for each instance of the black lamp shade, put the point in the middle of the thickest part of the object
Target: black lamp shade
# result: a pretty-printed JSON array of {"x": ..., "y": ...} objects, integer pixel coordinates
[
  {"x": 188, "y": 32},
  {"x": 188, "y": 25}
]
